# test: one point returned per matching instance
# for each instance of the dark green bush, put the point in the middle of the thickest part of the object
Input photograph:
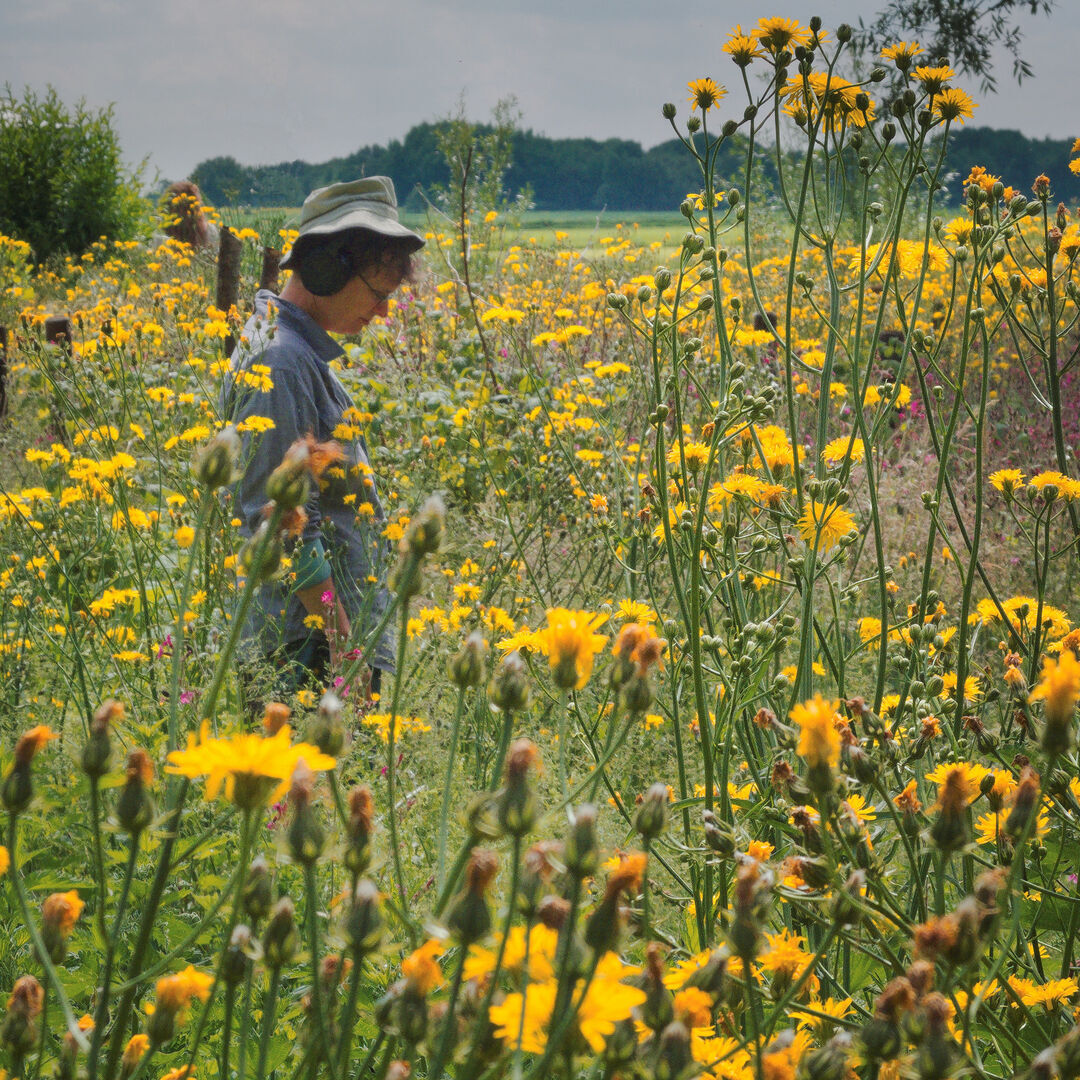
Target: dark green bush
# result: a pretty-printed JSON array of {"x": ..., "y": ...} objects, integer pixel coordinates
[{"x": 63, "y": 183}]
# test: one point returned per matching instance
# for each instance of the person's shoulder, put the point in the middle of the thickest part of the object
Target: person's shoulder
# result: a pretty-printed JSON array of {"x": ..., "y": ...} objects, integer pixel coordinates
[{"x": 269, "y": 339}]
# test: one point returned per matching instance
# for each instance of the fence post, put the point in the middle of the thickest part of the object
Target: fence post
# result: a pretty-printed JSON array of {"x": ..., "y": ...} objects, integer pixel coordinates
[
  {"x": 58, "y": 333},
  {"x": 228, "y": 277},
  {"x": 271, "y": 261}
]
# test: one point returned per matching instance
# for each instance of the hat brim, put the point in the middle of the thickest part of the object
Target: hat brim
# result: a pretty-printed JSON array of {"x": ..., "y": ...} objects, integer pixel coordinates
[{"x": 350, "y": 217}]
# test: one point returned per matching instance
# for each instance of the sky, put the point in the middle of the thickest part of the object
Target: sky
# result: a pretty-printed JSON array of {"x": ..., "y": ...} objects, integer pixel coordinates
[{"x": 283, "y": 79}]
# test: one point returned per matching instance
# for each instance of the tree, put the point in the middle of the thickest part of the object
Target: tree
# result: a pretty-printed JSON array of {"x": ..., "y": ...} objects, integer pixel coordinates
[
  {"x": 63, "y": 182},
  {"x": 965, "y": 31}
]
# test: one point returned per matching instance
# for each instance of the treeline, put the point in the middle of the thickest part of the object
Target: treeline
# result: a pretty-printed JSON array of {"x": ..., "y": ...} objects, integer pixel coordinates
[{"x": 592, "y": 174}]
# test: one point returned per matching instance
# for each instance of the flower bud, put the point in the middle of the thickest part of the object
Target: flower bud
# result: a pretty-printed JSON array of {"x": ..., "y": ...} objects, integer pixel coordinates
[
  {"x": 134, "y": 808},
  {"x": 326, "y": 730},
  {"x": 425, "y": 531},
  {"x": 96, "y": 752},
  {"x": 517, "y": 801},
  {"x": 358, "y": 830},
  {"x": 261, "y": 554},
  {"x": 651, "y": 818},
  {"x": 718, "y": 835},
  {"x": 237, "y": 955},
  {"x": 280, "y": 938},
  {"x": 675, "y": 1057},
  {"x": 288, "y": 484},
  {"x": 1025, "y": 798},
  {"x": 258, "y": 892},
  {"x": 828, "y": 1062},
  {"x": 364, "y": 920},
  {"x": 656, "y": 1011},
  {"x": 581, "y": 854},
  {"x": 509, "y": 690},
  {"x": 305, "y": 836},
  {"x": 668, "y": 111},
  {"x": 467, "y": 667},
  {"x": 215, "y": 463},
  {"x": 751, "y": 900},
  {"x": 19, "y": 1031},
  {"x": 470, "y": 917}
]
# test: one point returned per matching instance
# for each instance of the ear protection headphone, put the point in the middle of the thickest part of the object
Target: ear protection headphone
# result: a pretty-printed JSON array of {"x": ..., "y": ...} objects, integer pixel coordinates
[{"x": 326, "y": 268}]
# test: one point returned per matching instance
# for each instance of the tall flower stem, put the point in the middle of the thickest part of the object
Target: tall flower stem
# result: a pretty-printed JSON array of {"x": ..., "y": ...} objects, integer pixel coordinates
[{"x": 448, "y": 781}]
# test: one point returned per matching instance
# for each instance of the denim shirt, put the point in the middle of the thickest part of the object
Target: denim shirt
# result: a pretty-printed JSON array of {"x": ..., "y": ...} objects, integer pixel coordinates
[{"x": 283, "y": 344}]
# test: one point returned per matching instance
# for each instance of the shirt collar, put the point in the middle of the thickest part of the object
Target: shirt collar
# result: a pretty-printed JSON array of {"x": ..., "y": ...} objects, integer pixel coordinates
[{"x": 300, "y": 322}]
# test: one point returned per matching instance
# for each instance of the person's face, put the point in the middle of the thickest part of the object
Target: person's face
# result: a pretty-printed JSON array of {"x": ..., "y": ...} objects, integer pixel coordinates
[{"x": 365, "y": 297}]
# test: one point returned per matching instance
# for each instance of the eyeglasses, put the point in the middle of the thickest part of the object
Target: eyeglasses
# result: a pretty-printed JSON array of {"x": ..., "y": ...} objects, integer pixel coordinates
[{"x": 380, "y": 296}]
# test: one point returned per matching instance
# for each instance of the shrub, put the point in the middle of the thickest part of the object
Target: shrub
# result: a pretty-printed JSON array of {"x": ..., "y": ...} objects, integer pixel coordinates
[{"x": 63, "y": 183}]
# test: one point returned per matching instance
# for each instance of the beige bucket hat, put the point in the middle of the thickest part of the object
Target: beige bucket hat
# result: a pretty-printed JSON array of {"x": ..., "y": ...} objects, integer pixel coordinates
[{"x": 369, "y": 203}]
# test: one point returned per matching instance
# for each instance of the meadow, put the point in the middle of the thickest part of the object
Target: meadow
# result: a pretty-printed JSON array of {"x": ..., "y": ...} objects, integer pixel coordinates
[{"x": 733, "y": 726}]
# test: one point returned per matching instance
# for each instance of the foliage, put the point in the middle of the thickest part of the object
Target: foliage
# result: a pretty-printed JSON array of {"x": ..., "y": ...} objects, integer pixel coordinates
[
  {"x": 967, "y": 31},
  {"x": 63, "y": 181},
  {"x": 763, "y": 549}
]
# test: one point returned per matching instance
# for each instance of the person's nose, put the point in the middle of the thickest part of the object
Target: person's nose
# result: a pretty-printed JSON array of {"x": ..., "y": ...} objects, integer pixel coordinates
[{"x": 382, "y": 309}]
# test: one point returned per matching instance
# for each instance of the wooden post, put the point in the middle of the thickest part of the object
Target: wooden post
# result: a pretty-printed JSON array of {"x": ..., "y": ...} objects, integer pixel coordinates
[
  {"x": 3, "y": 371},
  {"x": 271, "y": 260},
  {"x": 58, "y": 333},
  {"x": 228, "y": 277}
]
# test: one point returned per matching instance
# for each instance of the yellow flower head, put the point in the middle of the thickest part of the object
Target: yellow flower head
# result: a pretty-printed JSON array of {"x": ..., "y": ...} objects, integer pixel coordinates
[
  {"x": 61, "y": 911},
  {"x": 137, "y": 1045},
  {"x": 1007, "y": 480},
  {"x": 570, "y": 643},
  {"x": 254, "y": 770},
  {"x": 742, "y": 48},
  {"x": 837, "y": 100},
  {"x": 954, "y": 104},
  {"x": 175, "y": 992},
  {"x": 934, "y": 79},
  {"x": 819, "y": 738},
  {"x": 1058, "y": 686},
  {"x": 421, "y": 969},
  {"x": 777, "y": 33},
  {"x": 32, "y": 741},
  {"x": 704, "y": 93},
  {"x": 902, "y": 53},
  {"x": 825, "y": 520}
]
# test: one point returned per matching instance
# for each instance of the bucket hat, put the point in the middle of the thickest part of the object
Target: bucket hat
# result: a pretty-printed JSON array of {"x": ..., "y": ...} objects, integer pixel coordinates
[{"x": 369, "y": 203}]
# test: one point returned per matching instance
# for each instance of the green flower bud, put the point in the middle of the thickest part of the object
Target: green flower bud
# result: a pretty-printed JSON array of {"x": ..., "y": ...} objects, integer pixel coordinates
[
  {"x": 364, "y": 920},
  {"x": 581, "y": 855},
  {"x": 467, "y": 667},
  {"x": 280, "y": 939},
  {"x": 215, "y": 463},
  {"x": 651, "y": 818},
  {"x": 258, "y": 895},
  {"x": 425, "y": 531},
  {"x": 509, "y": 690}
]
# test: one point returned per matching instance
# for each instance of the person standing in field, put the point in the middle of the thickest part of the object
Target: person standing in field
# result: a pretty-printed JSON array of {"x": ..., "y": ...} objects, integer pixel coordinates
[{"x": 349, "y": 258}]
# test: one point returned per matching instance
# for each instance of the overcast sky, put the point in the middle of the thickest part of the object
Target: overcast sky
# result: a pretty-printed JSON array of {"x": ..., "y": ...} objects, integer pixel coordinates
[{"x": 313, "y": 79}]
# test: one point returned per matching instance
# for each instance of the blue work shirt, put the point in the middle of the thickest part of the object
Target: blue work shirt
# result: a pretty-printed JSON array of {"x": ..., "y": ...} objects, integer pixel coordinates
[{"x": 281, "y": 370}]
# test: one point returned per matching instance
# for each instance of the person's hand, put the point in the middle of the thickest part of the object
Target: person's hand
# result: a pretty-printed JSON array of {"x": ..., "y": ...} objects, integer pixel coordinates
[{"x": 337, "y": 633}]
